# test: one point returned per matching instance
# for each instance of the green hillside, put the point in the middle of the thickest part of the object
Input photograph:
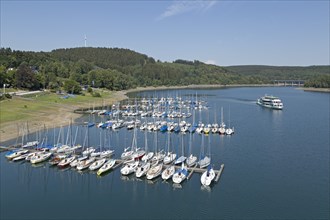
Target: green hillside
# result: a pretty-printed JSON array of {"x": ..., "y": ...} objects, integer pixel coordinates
[{"x": 117, "y": 69}]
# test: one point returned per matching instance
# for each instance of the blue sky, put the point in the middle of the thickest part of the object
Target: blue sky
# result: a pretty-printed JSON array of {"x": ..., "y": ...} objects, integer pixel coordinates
[{"x": 220, "y": 32}]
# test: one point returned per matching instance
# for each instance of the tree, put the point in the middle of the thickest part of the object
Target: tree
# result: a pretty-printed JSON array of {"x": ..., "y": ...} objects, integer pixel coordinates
[
  {"x": 25, "y": 78},
  {"x": 72, "y": 86}
]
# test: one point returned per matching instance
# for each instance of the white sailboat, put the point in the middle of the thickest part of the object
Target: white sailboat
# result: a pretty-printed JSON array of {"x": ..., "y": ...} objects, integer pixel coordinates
[
  {"x": 30, "y": 155},
  {"x": 97, "y": 164},
  {"x": 66, "y": 161},
  {"x": 222, "y": 127},
  {"x": 180, "y": 175},
  {"x": 75, "y": 162},
  {"x": 191, "y": 159},
  {"x": 204, "y": 159},
  {"x": 168, "y": 172},
  {"x": 21, "y": 157},
  {"x": 16, "y": 154},
  {"x": 229, "y": 130},
  {"x": 150, "y": 154},
  {"x": 154, "y": 171},
  {"x": 159, "y": 155},
  {"x": 170, "y": 156},
  {"x": 85, "y": 163},
  {"x": 129, "y": 167},
  {"x": 182, "y": 158},
  {"x": 207, "y": 176},
  {"x": 40, "y": 157},
  {"x": 142, "y": 169},
  {"x": 106, "y": 167}
]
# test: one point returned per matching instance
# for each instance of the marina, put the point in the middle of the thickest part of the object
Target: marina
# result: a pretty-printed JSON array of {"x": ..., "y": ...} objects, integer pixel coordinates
[{"x": 118, "y": 163}]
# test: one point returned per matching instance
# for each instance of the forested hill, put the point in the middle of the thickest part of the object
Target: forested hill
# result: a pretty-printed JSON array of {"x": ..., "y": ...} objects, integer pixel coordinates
[
  {"x": 281, "y": 72},
  {"x": 117, "y": 69},
  {"x": 314, "y": 76},
  {"x": 102, "y": 57}
]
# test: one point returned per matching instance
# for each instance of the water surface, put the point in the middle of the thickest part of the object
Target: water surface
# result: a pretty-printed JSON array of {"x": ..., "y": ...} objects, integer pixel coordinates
[{"x": 276, "y": 167}]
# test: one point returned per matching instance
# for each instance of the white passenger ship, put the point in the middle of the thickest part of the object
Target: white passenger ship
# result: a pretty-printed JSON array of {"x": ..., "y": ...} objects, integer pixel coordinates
[{"x": 270, "y": 102}]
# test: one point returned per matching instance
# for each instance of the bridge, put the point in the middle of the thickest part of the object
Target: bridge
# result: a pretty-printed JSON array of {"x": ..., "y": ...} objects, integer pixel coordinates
[{"x": 292, "y": 82}]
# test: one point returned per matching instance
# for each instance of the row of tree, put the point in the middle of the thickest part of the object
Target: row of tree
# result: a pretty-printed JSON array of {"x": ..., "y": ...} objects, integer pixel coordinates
[{"x": 118, "y": 69}]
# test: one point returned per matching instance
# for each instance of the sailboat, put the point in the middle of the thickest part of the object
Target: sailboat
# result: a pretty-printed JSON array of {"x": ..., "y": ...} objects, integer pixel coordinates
[
  {"x": 137, "y": 152},
  {"x": 222, "y": 127},
  {"x": 154, "y": 171},
  {"x": 159, "y": 155},
  {"x": 180, "y": 175},
  {"x": 97, "y": 164},
  {"x": 204, "y": 159},
  {"x": 129, "y": 167},
  {"x": 150, "y": 154},
  {"x": 170, "y": 156},
  {"x": 16, "y": 154},
  {"x": 30, "y": 155},
  {"x": 66, "y": 161},
  {"x": 106, "y": 167},
  {"x": 182, "y": 158},
  {"x": 168, "y": 172},
  {"x": 191, "y": 159},
  {"x": 229, "y": 130},
  {"x": 85, "y": 163},
  {"x": 142, "y": 168},
  {"x": 40, "y": 157},
  {"x": 208, "y": 176}
]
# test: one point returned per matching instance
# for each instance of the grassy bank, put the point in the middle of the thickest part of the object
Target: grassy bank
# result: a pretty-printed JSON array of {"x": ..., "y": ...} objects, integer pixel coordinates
[{"x": 47, "y": 109}]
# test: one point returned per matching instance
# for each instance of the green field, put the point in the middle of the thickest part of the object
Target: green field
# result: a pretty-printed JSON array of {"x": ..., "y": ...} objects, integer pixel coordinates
[{"x": 23, "y": 108}]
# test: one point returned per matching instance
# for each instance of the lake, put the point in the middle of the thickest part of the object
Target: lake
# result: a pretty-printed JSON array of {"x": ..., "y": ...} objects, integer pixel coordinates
[{"x": 276, "y": 166}]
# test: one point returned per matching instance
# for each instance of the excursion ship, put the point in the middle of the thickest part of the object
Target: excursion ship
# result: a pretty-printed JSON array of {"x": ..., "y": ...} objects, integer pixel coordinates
[{"x": 270, "y": 102}]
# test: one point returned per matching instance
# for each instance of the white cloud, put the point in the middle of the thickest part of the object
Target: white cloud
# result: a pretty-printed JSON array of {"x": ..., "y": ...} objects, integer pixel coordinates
[
  {"x": 211, "y": 62},
  {"x": 180, "y": 7}
]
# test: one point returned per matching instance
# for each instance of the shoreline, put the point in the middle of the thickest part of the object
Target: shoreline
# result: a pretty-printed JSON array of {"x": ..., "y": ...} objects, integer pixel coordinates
[
  {"x": 310, "y": 89},
  {"x": 64, "y": 114}
]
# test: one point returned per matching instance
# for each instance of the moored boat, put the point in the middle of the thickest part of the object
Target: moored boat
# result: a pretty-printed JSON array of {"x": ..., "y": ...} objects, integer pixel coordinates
[
  {"x": 14, "y": 154},
  {"x": 168, "y": 172},
  {"x": 40, "y": 157},
  {"x": 85, "y": 163},
  {"x": 154, "y": 171},
  {"x": 97, "y": 164},
  {"x": 106, "y": 167},
  {"x": 180, "y": 175},
  {"x": 66, "y": 161},
  {"x": 142, "y": 169},
  {"x": 129, "y": 168},
  {"x": 207, "y": 176}
]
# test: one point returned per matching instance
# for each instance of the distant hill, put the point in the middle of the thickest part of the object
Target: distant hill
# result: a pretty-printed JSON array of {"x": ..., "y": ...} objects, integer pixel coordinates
[
  {"x": 117, "y": 69},
  {"x": 281, "y": 72}
]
